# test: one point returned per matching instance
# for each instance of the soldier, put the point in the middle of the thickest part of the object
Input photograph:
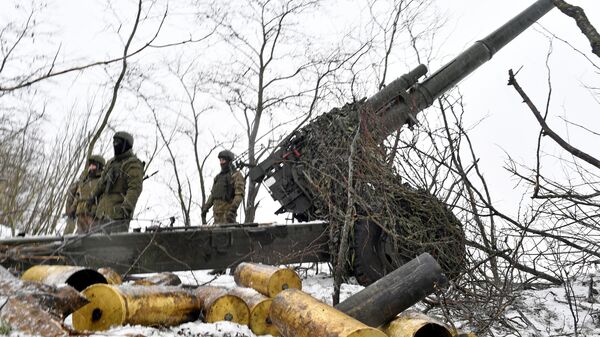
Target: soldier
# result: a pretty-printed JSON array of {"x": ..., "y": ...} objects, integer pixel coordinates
[
  {"x": 85, "y": 186},
  {"x": 119, "y": 187},
  {"x": 227, "y": 191}
]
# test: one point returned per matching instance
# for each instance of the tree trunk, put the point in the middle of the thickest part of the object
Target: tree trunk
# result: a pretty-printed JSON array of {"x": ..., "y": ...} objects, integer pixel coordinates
[{"x": 251, "y": 205}]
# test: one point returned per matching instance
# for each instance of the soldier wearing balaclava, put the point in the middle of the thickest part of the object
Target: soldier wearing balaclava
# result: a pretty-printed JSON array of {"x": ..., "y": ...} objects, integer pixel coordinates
[{"x": 120, "y": 186}]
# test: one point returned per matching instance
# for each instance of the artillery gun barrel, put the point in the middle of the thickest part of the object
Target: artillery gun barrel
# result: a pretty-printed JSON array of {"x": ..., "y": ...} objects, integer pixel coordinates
[
  {"x": 299, "y": 172},
  {"x": 390, "y": 92},
  {"x": 399, "y": 102},
  {"x": 422, "y": 95}
]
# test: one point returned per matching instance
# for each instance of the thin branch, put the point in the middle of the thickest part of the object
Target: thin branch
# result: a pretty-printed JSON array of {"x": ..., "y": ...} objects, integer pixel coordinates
[
  {"x": 547, "y": 130},
  {"x": 113, "y": 101},
  {"x": 583, "y": 23}
]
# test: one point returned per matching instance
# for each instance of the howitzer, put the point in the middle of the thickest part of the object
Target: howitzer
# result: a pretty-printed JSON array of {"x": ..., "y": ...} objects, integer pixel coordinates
[
  {"x": 285, "y": 173},
  {"x": 289, "y": 179}
]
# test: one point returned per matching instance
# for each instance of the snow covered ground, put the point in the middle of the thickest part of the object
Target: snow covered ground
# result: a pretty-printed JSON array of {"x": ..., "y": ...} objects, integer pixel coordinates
[
  {"x": 549, "y": 312},
  {"x": 5, "y": 231},
  {"x": 536, "y": 313},
  {"x": 318, "y": 285}
]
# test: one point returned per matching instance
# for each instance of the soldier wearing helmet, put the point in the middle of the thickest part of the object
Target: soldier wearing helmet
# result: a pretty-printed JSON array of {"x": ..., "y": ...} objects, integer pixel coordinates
[
  {"x": 119, "y": 187},
  {"x": 77, "y": 206},
  {"x": 227, "y": 191}
]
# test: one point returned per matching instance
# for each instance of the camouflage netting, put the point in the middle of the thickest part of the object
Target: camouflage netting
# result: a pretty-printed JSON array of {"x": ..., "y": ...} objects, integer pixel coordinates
[{"x": 413, "y": 221}]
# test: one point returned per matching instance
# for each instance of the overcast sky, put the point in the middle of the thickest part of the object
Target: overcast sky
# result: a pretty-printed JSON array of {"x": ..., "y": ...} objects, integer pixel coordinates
[{"x": 508, "y": 124}]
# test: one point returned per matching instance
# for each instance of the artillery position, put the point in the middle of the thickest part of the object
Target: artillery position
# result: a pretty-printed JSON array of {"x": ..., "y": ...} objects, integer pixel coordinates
[{"x": 335, "y": 169}]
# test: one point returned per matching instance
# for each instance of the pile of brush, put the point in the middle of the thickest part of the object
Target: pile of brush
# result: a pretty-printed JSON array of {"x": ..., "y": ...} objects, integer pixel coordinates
[{"x": 412, "y": 221}]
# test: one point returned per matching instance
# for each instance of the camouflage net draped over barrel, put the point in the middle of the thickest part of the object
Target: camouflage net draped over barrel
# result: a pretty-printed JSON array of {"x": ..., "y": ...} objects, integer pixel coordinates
[{"x": 413, "y": 221}]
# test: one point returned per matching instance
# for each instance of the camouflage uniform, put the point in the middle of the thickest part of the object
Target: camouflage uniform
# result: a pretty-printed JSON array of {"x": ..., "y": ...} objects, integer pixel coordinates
[
  {"x": 119, "y": 187},
  {"x": 86, "y": 185},
  {"x": 227, "y": 192}
]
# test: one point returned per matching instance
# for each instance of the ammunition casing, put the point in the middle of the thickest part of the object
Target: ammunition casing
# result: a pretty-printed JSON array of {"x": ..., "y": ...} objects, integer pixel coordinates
[
  {"x": 149, "y": 306},
  {"x": 260, "y": 321},
  {"x": 267, "y": 280},
  {"x": 413, "y": 324},
  {"x": 218, "y": 305},
  {"x": 298, "y": 314},
  {"x": 463, "y": 334},
  {"x": 160, "y": 279},
  {"x": 111, "y": 276},
  {"x": 75, "y": 276},
  {"x": 382, "y": 301}
]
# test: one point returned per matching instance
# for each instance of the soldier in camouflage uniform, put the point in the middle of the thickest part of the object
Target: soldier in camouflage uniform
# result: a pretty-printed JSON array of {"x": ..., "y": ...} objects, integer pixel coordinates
[
  {"x": 119, "y": 187},
  {"x": 84, "y": 187},
  {"x": 227, "y": 191}
]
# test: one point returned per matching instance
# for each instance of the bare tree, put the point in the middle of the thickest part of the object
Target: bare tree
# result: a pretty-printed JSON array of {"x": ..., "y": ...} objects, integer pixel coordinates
[
  {"x": 553, "y": 235},
  {"x": 41, "y": 174},
  {"x": 270, "y": 70}
]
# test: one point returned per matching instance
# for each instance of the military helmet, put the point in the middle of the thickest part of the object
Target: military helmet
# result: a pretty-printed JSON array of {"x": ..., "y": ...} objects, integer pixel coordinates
[
  {"x": 227, "y": 155},
  {"x": 126, "y": 136},
  {"x": 99, "y": 160}
]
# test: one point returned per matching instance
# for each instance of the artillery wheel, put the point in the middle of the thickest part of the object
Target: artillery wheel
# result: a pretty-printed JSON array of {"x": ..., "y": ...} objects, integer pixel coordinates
[
  {"x": 376, "y": 253},
  {"x": 373, "y": 254}
]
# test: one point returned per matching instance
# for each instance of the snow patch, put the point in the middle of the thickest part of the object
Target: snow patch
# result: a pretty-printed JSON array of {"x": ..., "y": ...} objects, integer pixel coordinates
[{"x": 537, "y": 312}]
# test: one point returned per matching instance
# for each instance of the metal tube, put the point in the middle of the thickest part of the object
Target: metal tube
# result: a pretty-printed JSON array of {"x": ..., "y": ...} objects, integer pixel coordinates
[
  {"x": 260, "y": 306},
  {"x": 160, "y": 279},
  {"x": 424, "y": 94},
  {"x": 218, "y": 305},
  {"x": 390, "y": 92},
  {"x": 119, "y": 305},
  {"x": 75, "y": 276},
  {"x": 267, "y": 280},
  {"x": 416, "y": 324},
  {"x": 111, "y": 276},
  {"x": 298, "y": 314},
  {"x": 397, "y": 291}
]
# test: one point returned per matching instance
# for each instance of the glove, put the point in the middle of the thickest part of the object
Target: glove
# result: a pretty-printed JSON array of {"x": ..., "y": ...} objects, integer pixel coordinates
[
  {"x": 232, "y": 214},
  {"x": 126, "y": 212},
  {"x": 203, "y": 216}
]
